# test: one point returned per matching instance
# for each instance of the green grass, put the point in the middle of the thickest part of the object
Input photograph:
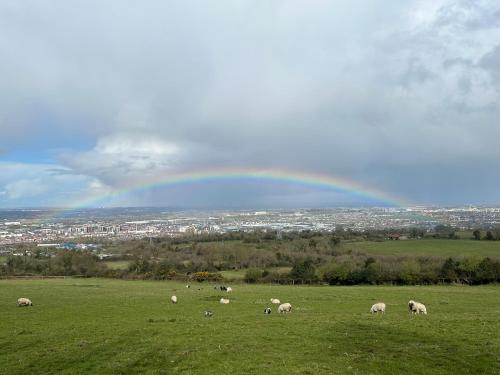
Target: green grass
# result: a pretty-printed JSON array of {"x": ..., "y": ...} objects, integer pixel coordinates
[
  {"x": 233, "y": 274},
  {"x": 99, "y": 326},
  {"x": 437, "y": 247},
  {"x": 117, "y": 264},
  {"x": 240, "y": 274}
]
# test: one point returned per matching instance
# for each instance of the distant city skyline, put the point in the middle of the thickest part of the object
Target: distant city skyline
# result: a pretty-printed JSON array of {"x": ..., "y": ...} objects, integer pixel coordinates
[
  {"x": 55, "y": 229},
  {"x": 121, "y": 104}
]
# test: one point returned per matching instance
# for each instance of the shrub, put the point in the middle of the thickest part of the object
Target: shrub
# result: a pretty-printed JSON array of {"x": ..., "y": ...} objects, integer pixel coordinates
[
  {"x": 304, "y": 271},
  {"x": 206, "y": 276},
  {"x": 253, "y": 275}
]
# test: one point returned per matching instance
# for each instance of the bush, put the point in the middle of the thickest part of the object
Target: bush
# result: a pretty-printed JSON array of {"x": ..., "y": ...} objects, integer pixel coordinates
[
  {"x": 206, "y": 276},
  {"x": 253, "y": 275},
  {"x": 304, "y": 271}
]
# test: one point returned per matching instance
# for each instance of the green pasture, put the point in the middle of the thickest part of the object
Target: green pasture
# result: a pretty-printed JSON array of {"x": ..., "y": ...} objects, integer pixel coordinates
[
  {"x": 100, "y": 326},
  {"x": 435, "y": 247},
  {"x": 239, "y": 275},
  {"x": 424, "y": 246},
  {"x": 117, "y": 264}
]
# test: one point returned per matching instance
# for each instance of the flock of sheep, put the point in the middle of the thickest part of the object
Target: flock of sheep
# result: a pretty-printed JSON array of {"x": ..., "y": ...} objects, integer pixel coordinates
[
  {"x": 413, "y": 307},
  {"x": 282, "y": 308}
]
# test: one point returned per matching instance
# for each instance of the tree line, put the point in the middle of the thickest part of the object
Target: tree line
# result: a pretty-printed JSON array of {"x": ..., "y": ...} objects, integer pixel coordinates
[
  {"x": 312, "y": 257},
  {"x": 363, "y": 269}
]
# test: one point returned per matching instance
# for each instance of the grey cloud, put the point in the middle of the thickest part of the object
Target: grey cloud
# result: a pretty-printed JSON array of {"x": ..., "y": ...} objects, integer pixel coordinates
[
  {"x": 372, "y": 93},
  {"x": 491, "y": 63}
]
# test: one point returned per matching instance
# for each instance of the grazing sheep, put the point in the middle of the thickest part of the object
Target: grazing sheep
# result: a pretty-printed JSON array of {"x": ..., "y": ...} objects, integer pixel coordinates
[
  {"x": 173, "y": 299},
  {"x": 188, "y": 286},
  {"x": 378, "y": 307},
  {"x": 208, "y": 314},
  {"x": 24, "y": 302},
  {"x": 267, "y": 310},
  {"x": 416, "y": 307},
  {"x": 229, "y": 289},
  {"x": 285, "y": 308},
  {"x": 224, "y": 301},
  {"x": 275, "y": 301}
]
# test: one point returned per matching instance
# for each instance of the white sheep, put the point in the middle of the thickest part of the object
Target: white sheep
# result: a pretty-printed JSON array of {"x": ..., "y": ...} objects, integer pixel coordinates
[
  {"x": 285, "y": 308},
  {"x": 378, "y": 307},
  {"x": 173, "y": 299},
  {"x": 275, "y": 301},
  {"x": 229, "y": 289},
  {"x": 24, "y": 302},
  {"x": 224, "y": 301},
  {"x": 417, "y": 307}
]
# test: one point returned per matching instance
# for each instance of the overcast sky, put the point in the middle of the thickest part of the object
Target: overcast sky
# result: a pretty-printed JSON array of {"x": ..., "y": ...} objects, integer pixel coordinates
[{"x": 402, "y": 96}]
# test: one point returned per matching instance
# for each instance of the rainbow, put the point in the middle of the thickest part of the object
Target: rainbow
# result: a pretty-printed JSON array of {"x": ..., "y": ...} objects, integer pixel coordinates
[{"x": 314, "y": 181}]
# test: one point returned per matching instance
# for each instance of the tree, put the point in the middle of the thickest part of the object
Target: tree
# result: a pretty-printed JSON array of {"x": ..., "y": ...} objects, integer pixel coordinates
[
  {"x": 253, "y": 275},
  {"x": 303, "y": 270},
  {"x": 416, "y": 233},
  {"x": 489, "y": 236},
  {"x": 488, "y": 271},
  {"x": 477, "y": 234},
  {"x": 334, "y": 241},
  {"x": 67, "y": 261},
  {"x": 448, "y": 270}
]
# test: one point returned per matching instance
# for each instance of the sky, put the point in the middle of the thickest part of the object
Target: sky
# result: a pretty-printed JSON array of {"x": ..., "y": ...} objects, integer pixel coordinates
[{"x": 400, "y": 97}]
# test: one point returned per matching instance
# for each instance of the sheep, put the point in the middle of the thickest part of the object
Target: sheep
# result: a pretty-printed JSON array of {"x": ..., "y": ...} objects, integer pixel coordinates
[
  {"x": 224, "y": 301},
  {"x": 24, "y": 302},
  {"x": 173, "y": 299},
  {"x": 378, "y": 307},
  {"x": 416, "y": 307},
  {"x": 275, "y": 301},
  {"x": 285, "y": 308},
  {"x": 267, "y": 310},
  {"x": 188, "y": 286},
  {"x": 229, "y": 289},
  {"x": 208, "y": 314}
]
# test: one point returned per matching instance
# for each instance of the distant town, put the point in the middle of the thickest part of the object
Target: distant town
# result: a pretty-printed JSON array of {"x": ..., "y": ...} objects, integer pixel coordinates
[{"x": 35, "y": 226}]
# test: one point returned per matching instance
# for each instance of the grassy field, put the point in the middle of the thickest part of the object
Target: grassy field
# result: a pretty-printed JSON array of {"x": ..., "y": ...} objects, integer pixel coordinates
[
  {"x": 425, "y": 246},
  {"x": 117, "y": 264},
  {"x": 438, "y": 247},
  {"x": 239, "y": 275},
  {"x": 99, "y": 326}
]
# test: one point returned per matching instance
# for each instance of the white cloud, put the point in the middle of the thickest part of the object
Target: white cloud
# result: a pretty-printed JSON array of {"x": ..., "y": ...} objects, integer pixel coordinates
[
  {"x": 122, "y": 158},
  {"x": 47, "y": 185}
]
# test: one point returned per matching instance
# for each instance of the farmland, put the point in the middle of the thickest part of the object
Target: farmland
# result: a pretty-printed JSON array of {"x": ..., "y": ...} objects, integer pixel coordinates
[
  {"x": 433, "y": 247},
  {"x": 100, "y": 326}
]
